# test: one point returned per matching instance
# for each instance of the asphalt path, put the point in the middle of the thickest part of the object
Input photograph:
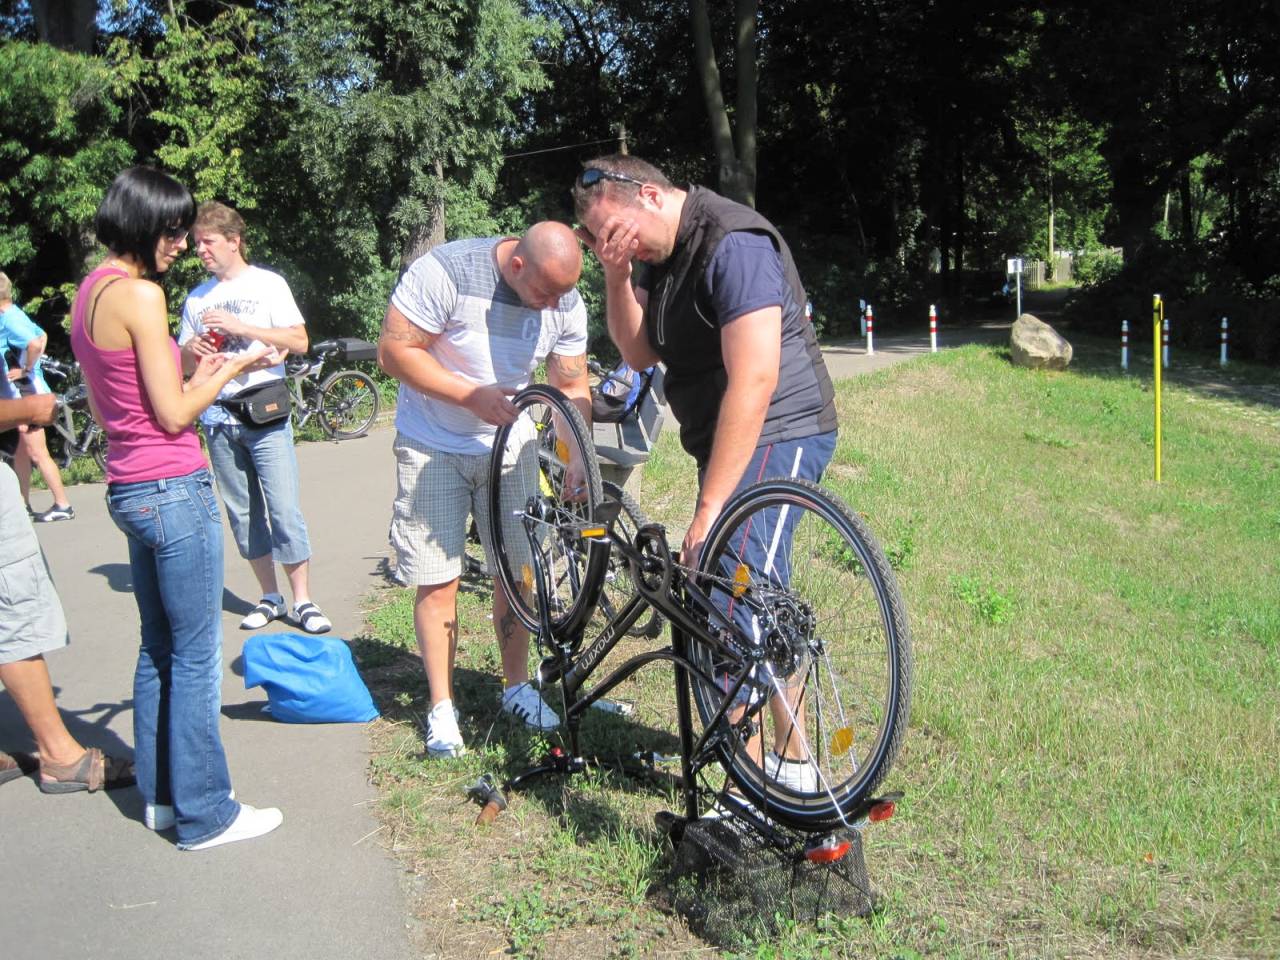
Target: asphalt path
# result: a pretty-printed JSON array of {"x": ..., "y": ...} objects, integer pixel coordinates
[{"x": 83, "y": 877}]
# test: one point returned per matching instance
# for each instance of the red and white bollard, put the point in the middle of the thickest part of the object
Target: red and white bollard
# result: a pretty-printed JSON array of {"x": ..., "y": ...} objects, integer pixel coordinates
[
  {"x": 1222, "y": 360},
  {"x": 1124, "y": 344},
  {"x": 871, "y": 321},
  {"x": 1164, "y": 344},
  {"x": 933, "y": 328},
  {"x": 862, "y": 318}
]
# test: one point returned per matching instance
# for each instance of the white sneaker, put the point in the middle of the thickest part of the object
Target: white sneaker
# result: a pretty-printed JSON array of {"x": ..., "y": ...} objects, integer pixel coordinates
[
  {"x": 270, "y": 607},
  {"x": 798, "y": 775},
  {"x": 250, "y": 822},
  {"x": 160, "y": 816},
  {"x": 526, "y": 703},
  {"x": 444, "y": 739}
]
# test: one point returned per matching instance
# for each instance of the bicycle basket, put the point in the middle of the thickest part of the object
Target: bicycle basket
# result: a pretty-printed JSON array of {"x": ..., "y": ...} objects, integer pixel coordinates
[{"x": 733, "y": 885}]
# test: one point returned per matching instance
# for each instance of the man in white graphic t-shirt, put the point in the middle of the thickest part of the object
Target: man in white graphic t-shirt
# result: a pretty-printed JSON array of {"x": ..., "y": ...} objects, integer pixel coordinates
[
  {"x": 468, "y": 324},
  {"x": 255, "y": 465}
]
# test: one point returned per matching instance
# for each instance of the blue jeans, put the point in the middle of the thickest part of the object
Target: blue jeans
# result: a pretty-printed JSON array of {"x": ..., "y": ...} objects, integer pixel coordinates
[
  {"x": 175, "y": 554},
  {"x": 759, "y": 545},
  {"x": 257, "y": 473}
]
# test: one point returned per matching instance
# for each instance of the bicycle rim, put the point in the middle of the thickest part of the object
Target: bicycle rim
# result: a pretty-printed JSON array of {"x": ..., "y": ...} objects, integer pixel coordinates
[
  {"x": 800, "y": 576},
  {"x": 348, "y": 404},
  {"x": 531, "y": 487}
]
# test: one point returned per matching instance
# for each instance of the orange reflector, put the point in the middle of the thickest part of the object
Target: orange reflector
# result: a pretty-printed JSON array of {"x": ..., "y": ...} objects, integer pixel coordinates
[
  {"x": 881, "y": 811},
  {"x": 828, "y": 850},
  {"x": 526, "y": 576},
  {"x": 593, "y": 531},
  {"x": 842, "y": 740},
  {"x": 562, "y": 451},
  {"x": 741, "y": 580}
]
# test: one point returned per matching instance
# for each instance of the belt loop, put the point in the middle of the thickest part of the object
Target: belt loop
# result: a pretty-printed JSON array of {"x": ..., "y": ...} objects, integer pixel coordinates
[{"x": 162, "y": 484}]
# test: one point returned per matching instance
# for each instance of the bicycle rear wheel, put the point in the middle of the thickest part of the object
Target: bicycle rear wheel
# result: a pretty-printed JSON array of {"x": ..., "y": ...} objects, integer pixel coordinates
[
  {"x": 544, "y": 478},
  {"x": 816, "y": 725},
  {"x": 348, "y": 404}
]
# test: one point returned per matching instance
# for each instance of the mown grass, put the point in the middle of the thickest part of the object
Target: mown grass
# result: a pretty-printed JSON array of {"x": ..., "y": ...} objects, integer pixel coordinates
[{"x": 1092, "y": 764}]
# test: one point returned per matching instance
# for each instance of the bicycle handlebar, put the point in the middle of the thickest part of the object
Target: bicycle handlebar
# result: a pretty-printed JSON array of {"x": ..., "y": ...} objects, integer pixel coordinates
[
  {"x": 57, "y": 367},
  {"x": 608, "y": 376}
]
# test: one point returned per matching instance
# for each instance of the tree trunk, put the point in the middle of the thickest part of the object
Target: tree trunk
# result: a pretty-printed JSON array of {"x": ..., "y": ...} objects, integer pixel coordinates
[
  {"x": 431, "y": 233},
  {"x": 67, "y": 24},
  {"x": 745, "y": 115},
  {"x": 736, "y": 164},
  {"x": 1184, "y": 197}
]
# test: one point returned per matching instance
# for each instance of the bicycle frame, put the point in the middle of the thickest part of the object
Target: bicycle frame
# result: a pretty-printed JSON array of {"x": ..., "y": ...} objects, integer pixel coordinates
[
  {"x": 304, "y": 408},
  {"x": 648, "y": 557}
]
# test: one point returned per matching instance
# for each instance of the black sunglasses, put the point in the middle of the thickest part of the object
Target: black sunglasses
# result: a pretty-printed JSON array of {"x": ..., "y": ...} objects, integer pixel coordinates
[
  {"x": 589, "y": 177},
  {"x": 176, "y": 234}
]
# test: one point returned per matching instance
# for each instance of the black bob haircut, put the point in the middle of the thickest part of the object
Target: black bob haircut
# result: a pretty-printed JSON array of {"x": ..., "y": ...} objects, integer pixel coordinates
[{"x": 140, "y": 205}]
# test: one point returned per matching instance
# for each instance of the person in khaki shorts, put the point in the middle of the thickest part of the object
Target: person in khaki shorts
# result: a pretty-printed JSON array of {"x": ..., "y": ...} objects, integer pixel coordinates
[
  {"x": 468, "y": 324},
  {"x": 31, "y": 625}
]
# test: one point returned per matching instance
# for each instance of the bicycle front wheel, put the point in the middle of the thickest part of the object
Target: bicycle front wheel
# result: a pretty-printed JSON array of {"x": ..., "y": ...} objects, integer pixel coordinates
[
  {"x": 348, "y": 404},
  {"x": 818, "y": 720},
  {"x": 544, "y": 485}
]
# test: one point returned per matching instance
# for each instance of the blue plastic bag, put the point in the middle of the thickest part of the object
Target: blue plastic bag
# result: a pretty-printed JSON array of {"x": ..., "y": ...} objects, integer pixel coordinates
[{"x": 308, "y": 679}]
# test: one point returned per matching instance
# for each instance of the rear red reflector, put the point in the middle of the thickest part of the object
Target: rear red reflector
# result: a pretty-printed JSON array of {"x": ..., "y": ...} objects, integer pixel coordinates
[
  {"x": 828, "y": 850},
  {"x": 881, "y": 811}
]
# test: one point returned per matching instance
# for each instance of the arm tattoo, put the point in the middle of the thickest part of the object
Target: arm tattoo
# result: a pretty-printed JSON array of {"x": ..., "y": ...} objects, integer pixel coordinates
[
  {"x": 571, "y": 368},
  {"x": 401, "y": 330}
]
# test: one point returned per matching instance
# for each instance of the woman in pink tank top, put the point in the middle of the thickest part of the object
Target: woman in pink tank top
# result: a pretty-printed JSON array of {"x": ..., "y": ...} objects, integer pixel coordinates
[{"x": 160, "y": 495}]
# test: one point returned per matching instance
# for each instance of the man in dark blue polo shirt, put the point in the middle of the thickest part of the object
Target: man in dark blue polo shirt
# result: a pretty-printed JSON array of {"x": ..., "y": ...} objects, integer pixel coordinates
[{"x": 716, "y": 297}]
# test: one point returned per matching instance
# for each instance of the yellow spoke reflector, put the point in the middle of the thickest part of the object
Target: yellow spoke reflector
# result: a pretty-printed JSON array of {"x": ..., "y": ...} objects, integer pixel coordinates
[
  {"x": 741, "y": 580},
  {"x": 562, "y": 450},
  {"x": 526, "y": 576},
  {"x": 842, "y": 740}
]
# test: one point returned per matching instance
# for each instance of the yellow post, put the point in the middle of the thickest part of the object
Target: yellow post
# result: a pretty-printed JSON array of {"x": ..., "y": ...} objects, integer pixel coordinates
[{"x": 1157, "y": 311}]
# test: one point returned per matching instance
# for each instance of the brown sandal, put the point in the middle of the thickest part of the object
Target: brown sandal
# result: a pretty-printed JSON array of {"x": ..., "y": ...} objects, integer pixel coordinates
[
  {"x": 13, "y": 766},
  {"x": 93, "y": 771}
]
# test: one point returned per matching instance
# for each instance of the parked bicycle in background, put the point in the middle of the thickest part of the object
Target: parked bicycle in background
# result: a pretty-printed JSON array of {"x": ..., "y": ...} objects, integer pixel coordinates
[
  {"x": 74, "y": 433},
  {"x": 345, "y": 403}
]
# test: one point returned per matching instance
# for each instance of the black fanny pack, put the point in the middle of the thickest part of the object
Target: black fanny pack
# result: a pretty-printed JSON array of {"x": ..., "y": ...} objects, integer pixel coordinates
[{"x": 260, "y": 406}]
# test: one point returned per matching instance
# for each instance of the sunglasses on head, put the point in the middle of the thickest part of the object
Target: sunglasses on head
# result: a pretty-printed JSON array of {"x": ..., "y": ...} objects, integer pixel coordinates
[{"x": 589, "y": 177}]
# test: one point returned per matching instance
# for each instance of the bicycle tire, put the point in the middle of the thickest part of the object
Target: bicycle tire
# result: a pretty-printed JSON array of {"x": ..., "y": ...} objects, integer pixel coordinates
[
  {"x": 834, "y": 687},
  {"x": 550, "y": 429},
  {"x": 618, "y": 588},
  {"x": 98, "y": 449},
  {"x": 349, "y": 404}
]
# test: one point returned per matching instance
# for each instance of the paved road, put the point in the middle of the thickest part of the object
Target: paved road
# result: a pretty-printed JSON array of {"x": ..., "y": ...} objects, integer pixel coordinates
[
  {"x": 848, "y": 358},
  {"x": 81, "y": 875},
  {"x": 83, "y": 878}
]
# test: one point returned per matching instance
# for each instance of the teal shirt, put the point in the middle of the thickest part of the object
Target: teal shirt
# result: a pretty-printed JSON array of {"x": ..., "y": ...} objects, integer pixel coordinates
[{"x": 16, "y": 331}]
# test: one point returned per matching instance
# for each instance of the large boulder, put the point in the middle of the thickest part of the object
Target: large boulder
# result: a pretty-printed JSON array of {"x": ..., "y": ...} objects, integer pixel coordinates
[{"x": 1035, "y": 344}]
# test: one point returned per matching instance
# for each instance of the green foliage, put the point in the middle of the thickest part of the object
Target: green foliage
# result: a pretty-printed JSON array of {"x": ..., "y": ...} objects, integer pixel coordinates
[
  {"x": 1097, "y": 267},
  {"x": 988, "y": 604},
  {"x": 209, "y": 87},
  {"x": 58, "y": 150}
]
